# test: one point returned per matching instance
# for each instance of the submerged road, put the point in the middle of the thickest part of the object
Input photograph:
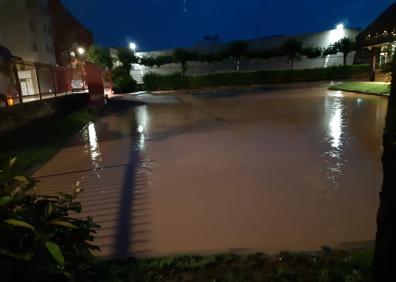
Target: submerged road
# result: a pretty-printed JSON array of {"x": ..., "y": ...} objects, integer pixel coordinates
[{"x": 244, "y": 169}]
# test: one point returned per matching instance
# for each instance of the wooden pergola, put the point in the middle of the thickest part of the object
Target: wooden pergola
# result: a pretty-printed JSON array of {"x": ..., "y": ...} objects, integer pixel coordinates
[{"x": 378, "y": 34}]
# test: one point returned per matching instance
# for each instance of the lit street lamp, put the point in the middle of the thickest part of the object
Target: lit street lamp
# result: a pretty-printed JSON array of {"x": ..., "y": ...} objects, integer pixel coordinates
[
  {"x": 132, "y": 46},
  {"x": 340, "y": 26},
  {"x": 81, "y": 51}
]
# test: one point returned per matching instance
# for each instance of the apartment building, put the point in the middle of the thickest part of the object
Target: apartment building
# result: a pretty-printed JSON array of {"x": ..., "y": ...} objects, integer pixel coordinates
[{"x": 25, "y": 29}]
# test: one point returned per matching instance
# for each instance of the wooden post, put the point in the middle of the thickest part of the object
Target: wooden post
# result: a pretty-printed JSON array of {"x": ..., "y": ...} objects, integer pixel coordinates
[{"x": 373, "y": 64}]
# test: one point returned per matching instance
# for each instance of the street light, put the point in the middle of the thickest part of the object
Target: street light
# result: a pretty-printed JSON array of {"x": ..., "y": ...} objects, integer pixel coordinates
[
  {"x": 132, "y": 46},
  {"x": 81, "y": 50},
  {"x": 340, "y": 26}
]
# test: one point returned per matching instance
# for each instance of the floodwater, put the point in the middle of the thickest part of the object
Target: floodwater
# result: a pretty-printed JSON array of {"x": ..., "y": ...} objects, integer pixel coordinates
[{"x": 250, "y": 169}]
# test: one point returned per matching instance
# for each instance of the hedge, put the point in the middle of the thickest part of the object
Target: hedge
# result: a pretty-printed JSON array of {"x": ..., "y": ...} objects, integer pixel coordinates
[{"x": 175, "y": 81}]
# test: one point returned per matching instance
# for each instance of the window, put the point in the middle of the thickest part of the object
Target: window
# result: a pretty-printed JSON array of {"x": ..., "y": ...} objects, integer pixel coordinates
[{"x": 35, "y": 46}]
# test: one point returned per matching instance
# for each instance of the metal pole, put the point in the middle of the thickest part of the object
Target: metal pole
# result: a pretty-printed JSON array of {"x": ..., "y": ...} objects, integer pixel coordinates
[
  {"x": 53, "y": 80},
  {"x": 38, "y": 81}
]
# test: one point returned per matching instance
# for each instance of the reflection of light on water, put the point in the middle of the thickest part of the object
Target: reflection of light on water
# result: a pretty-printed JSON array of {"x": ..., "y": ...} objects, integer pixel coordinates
[
  {"x": 335, "y": 127},
  {"x": 142, "y": 120},
  {"x": 145, "y": 165},
  {"x": 335, "y": 124},
  {"x": 92, "y": 145}
]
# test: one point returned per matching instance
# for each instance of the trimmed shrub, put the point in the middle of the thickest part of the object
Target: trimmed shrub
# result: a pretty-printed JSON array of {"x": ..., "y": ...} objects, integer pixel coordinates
[
  {"x": 153, "y": 81},
  {"x": 122, "y": 81}
]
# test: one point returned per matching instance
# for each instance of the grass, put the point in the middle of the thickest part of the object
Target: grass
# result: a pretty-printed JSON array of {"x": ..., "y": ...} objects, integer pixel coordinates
[
  {"x": 325, "y": 266},
  {"x": 377, "y": 88},
  {"x": 38, "y": 141}
]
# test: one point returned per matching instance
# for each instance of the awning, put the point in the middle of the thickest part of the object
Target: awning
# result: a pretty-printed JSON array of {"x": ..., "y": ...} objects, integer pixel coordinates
[{"x": 5, "y": 53}]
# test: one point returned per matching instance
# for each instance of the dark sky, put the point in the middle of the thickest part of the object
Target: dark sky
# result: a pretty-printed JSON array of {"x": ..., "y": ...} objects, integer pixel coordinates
[{"x": 163, "y": 24}]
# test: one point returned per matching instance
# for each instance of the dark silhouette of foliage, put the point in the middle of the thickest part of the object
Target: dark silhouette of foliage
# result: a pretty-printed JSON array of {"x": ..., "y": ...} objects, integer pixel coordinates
[
  {"x": 127, "y": 58},
  {"x": 264, "y": 53},
  {"x": 311, "y": 52},
  {"x": 345, "y": 46},
  {"x": 182, "y": 56},
  {"x": 100, "y": 56},
  {"x": 122, "y": 81},
  {"x": 292, "y": 48},
  {"x": 237, "y": 50}
]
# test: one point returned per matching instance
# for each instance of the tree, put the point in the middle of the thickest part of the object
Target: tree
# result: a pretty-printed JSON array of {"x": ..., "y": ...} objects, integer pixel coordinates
[
  {"x": 385, "y": 246},
  {"x": 237, "y": 50},
  {"x": 127, "y": 58},
  {"x": 121, "y": 75},
  {"x": 264, "y": 53},
  {"x": 312, "y": 52},
  {"x": 151, "y": 61},
  {"x": 345, "y": 46},
  {"x": 182, "y": 56},
  {"x": 122, "y": 81},
  {"x": 292, "y": 48},
  {"x": 100, "y": 56}
]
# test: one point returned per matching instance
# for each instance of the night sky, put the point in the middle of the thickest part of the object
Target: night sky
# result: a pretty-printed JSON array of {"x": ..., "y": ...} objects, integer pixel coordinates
[{"x": 165, "y": 24}]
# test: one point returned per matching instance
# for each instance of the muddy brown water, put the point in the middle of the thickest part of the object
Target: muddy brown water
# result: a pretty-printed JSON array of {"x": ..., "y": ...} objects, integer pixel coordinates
[{"x": 234, "y": 170}]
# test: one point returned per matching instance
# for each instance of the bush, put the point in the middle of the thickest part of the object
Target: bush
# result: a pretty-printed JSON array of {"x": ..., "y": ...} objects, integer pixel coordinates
[
  {"x": 40, "y": 241},
  {"x": 122, "y": 81},
  {"x": 153, "y": 81}
]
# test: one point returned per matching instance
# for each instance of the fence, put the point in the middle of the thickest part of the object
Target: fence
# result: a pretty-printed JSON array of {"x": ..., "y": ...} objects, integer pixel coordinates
[{"x": 22, "y": 81}]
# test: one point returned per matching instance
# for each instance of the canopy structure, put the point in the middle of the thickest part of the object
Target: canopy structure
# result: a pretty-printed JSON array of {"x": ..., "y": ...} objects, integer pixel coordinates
[{"x": 381, "y": 31}]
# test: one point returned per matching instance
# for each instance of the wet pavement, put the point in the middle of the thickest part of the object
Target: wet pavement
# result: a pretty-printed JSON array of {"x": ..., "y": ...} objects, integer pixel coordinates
[{"x": 249, "y": 169}]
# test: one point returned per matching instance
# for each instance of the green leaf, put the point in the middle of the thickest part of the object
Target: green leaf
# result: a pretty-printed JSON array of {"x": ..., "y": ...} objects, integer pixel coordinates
[
  {"x": 15, "y": 191},
  {"x": 56, "y": 252},
  {"x": 19, "y": 223},
  {"x": 5, "y": 200},
  {"x": 25, "y": 257},
  {"x": 12, "y": 161},
  {"x": 63, "y": 223},
  {"x": 21, "y": 179}
]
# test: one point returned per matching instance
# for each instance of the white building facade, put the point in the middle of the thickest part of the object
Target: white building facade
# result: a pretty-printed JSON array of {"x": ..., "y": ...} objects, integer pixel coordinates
[{"x": 319, "y": 39}]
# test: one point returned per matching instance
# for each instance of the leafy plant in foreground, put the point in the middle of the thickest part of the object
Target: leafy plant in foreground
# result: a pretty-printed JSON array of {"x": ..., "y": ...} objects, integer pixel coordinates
[{"x": 39, "y": 238}]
